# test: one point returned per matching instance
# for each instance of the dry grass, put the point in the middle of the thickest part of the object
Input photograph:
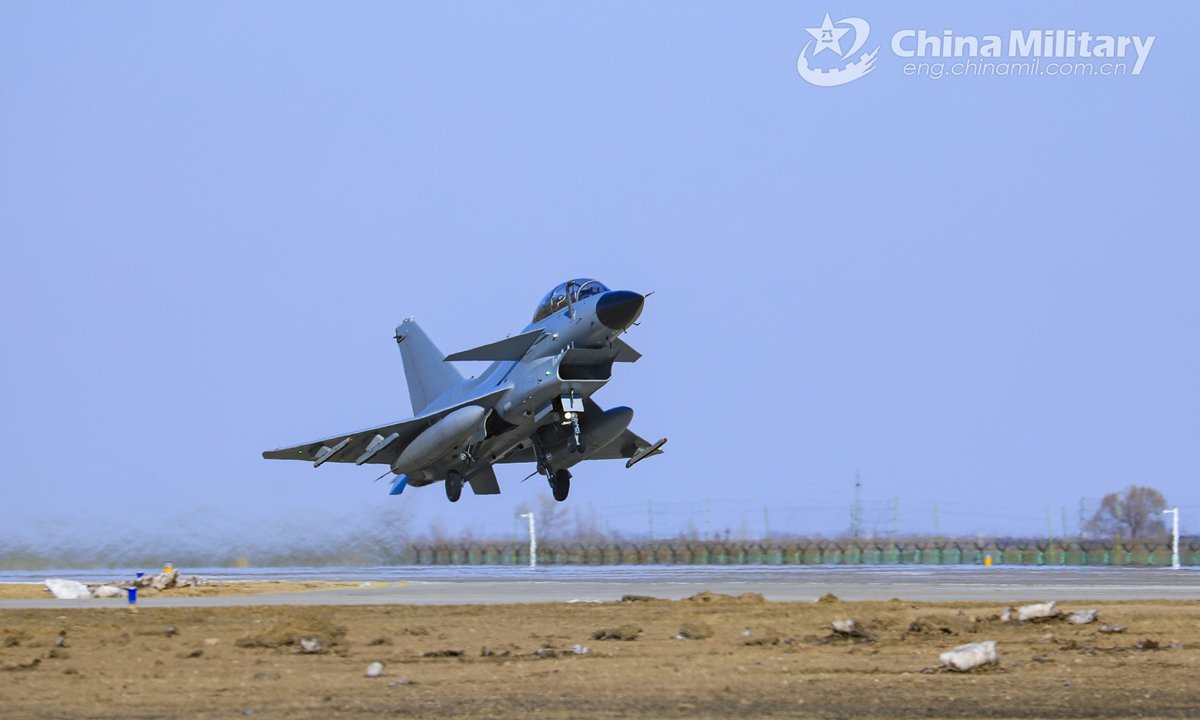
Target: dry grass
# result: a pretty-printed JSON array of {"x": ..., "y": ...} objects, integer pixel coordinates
[
  {"x": 38, "y": 591},
  {"x": 220, "y": 662}
]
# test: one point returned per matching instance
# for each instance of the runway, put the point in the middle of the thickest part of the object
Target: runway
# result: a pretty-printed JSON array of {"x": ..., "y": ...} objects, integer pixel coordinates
[{"x": 469, "y": 586}]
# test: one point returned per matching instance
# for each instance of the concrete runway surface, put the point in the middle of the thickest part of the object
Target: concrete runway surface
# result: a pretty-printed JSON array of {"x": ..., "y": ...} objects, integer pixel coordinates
[{"x": 491, "y": 585}]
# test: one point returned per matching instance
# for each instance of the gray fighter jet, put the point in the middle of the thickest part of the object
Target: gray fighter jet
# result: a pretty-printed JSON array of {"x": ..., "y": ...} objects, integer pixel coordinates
[{"x": 532, "y": 405}]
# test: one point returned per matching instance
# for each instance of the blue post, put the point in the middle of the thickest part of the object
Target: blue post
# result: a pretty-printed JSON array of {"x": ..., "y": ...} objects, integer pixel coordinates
[{"x": 132, "y": 593}]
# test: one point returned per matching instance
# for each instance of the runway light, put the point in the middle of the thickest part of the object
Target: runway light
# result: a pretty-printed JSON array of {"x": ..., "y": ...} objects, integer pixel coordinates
[{"x": 988, "y": 561}]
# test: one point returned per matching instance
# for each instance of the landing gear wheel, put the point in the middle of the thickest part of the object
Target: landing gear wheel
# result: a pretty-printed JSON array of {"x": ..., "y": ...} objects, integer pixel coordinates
[
  {"x": 454, "y": 485},
  {"x": 561, "y": 484}
]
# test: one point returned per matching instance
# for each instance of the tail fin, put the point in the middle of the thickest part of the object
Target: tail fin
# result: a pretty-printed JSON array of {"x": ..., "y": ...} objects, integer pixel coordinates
[{"x": 427, "y": 376}]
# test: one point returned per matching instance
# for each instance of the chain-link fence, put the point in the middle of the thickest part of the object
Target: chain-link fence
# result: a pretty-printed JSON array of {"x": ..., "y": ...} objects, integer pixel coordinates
[{"x": 796, "y": 551}]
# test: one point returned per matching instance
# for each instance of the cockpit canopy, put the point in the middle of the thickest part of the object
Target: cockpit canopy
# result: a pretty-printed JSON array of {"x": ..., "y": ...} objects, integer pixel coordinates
[{"x": 556, "y": 299}]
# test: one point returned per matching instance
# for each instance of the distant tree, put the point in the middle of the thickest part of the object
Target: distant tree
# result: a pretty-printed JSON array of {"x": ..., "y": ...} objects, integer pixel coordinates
[
  {"x": 587, "y": 524},
  {"x": 550, "y": 517},
  {"x": 1136, "y": 512}
]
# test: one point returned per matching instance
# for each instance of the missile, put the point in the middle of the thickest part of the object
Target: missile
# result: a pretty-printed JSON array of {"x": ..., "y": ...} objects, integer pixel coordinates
[
  {"x": 377, "y": 443},
  {"x": 436, "y": 440},
  {"x": 326, "y": 452},
  {"x": 644, "y": 453}
]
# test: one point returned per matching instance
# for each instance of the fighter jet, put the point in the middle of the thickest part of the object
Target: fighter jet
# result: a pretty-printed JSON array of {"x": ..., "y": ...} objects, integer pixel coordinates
[{"x": 532, "y": 405}]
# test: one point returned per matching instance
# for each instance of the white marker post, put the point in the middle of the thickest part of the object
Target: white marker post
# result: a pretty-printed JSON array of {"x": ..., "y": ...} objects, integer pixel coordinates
[
  {"x": 532, "y": 540},
  {"x": 1174, "y": 539}
]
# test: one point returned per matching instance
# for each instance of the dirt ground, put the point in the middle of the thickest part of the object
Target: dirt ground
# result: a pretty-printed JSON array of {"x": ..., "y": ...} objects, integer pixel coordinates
[
  {"x": 38, "y": 591},
  {"x": 745, "y": 658}
]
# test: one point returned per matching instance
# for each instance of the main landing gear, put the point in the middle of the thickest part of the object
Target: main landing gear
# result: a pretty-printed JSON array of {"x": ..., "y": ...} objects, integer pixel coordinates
[
  {"x": 560, "y": 484},
  {"x": 560, "y": 480},
  {"x": 454, "y": 483},
  {"x": 454, "y": 478}
]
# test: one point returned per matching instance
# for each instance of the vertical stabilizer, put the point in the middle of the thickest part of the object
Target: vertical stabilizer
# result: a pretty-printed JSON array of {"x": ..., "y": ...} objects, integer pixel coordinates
[{"x": 427, "y": 376}]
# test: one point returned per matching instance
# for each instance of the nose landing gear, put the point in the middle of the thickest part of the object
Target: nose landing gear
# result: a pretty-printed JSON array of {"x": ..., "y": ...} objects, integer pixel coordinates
[{"x": 576, "y": 443}]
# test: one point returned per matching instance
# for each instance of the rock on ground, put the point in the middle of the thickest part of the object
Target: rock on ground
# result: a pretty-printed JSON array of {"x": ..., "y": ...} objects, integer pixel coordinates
[
  {"x": 970, "y": 656},
  {"x": 1037, "y": 611},
  {"x": 310, "y": 645},
  {"x": 1083, "y": 617},
  {"x": 107, "y": 591},
  {"x": 165, "y": 581},
  {"x": 67, "y": 589}
]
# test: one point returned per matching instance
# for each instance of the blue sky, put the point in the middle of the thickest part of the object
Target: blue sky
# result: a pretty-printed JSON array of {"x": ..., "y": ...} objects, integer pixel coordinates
[{"x": 978, "y": 292}]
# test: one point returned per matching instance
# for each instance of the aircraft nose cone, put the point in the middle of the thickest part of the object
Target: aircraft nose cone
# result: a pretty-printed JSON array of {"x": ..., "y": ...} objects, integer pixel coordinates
[{"x": 619, "y": 308}]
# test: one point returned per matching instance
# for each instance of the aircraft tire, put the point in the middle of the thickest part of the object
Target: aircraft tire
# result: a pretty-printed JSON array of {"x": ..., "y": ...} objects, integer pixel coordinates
[
  {"x": 454, "y": 485},
  {"x": 561, "y": 485}
]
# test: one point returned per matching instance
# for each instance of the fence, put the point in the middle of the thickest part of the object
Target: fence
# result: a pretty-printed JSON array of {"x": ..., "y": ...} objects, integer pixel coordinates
[{"x": 810, "y": 552}]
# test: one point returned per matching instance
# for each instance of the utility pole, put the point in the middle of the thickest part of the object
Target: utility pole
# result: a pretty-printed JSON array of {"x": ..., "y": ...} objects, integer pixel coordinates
[
  {"x": 1050, "y": 528},
  {"x": 855, "y": 511},
  {"x": 532, "y": 540},
  {"x": 937, "y": 523},
  {"x": 707, "y": 518},
  {"x": 650, "y": 515},
  {"x": 766, "y": 524},
  {"x": 1174, "y": 538},
  {"x": 895, "y": 516}
]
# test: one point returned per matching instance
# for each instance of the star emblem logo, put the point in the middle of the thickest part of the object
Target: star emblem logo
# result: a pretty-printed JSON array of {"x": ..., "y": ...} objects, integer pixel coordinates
[{"x": 828, "y": 37}]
